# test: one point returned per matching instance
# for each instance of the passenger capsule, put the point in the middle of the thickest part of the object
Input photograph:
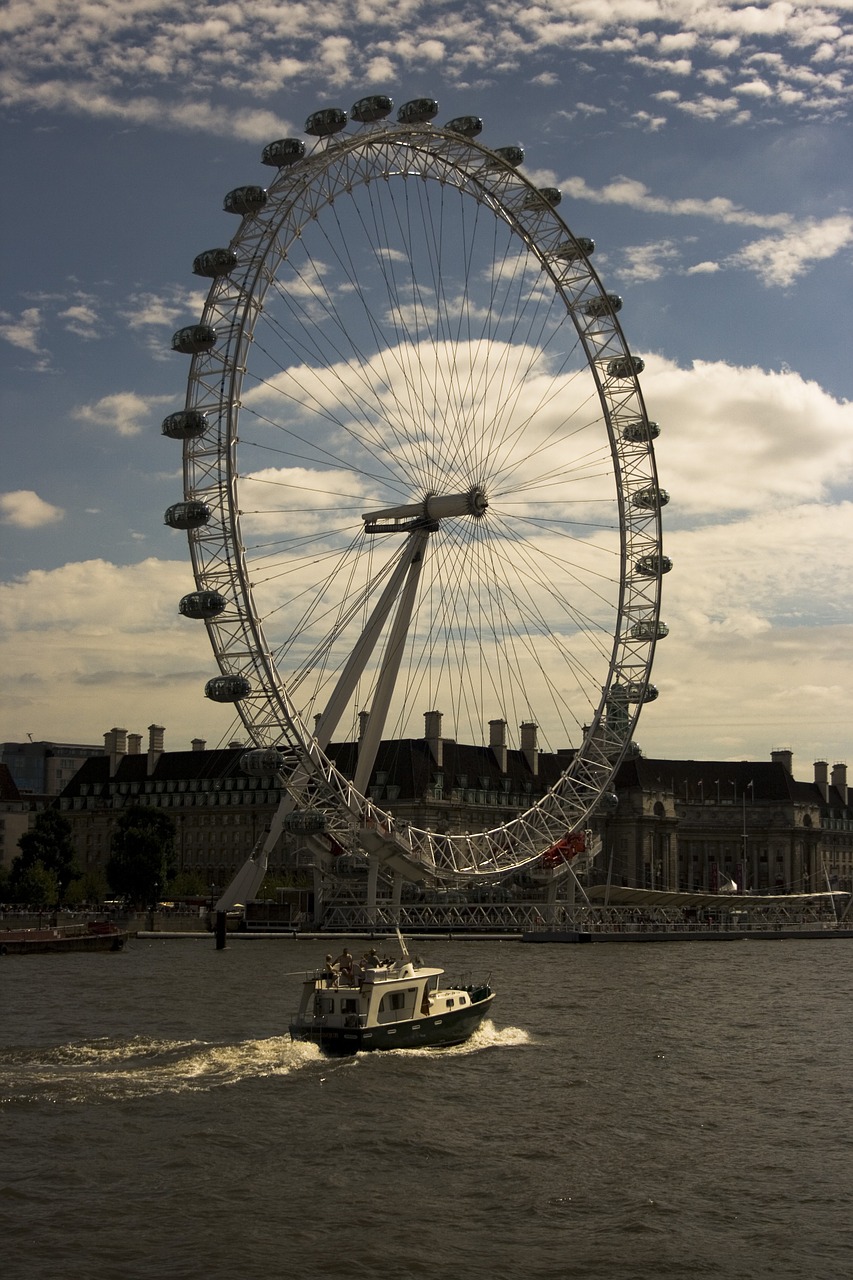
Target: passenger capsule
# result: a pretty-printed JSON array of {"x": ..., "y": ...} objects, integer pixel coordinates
[
  {"x": 608, "y": 802},
  {"x": 202, "y": 604},
  {"x": 543, "y": 195},
  {"x": 511, "y": 156},
  {"x": 418, "y": 111},
  {"x": 184, "y": 425},
  {"x": 625, "y": 366},
  {"x": 602, "y": 305},
  {"x": 468, "y": 126},
  {"x": 652, "y": 566},
  {"x": 375, "y": 107},
  {"x": 648, "y": 629},
  {"x": 261, "y": 762},
  {"x": 650, "y": 499},
  {"x": 215, "y": 262},
  {"x": 282, "y": 153},
  {"x": 640, "y": 432},
  {"x": 187, "y": 515},
  {"x": 637, "y": 692},
  {"x": 243, "y": 200},
  {"x": 320, "y": 124},
  {"x": 227, "y": 688},
  {"x": 571, "y": 250},
  {"x": 194, "y": 339}
]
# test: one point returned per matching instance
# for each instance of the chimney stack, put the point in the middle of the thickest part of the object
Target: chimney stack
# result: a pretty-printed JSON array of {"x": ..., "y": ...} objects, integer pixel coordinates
[
  {"x": 497, "y": 742},
  {"x": 432, "y": 733},
  {"x": 115, "y": 746},
  {"x": 821, "y": 778},
  {"x": 529, "y": 745},
  {"x": 198, "y": 744},
  {"x": 785, "y": 758},
  {"x": 839, "y": 781},
  {"x": 156, "y": 734},
  {"x": 363, "y": 717},
  {"x": 134, "y": 744}
]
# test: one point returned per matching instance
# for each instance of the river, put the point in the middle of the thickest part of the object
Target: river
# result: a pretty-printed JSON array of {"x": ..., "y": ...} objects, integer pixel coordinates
[{"x": 630, "y": 1113}]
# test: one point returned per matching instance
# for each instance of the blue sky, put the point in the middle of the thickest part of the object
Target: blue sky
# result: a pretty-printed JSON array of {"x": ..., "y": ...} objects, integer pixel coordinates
[{"x": 707, "y": 150}]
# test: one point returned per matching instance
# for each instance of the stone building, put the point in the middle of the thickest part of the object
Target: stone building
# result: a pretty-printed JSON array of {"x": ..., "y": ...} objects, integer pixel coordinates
[
  {"x": 704, "y": 825},
  {"x": 698, "y": 826}
]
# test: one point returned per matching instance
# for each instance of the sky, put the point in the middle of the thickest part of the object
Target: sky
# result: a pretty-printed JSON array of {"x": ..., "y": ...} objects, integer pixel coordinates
[{"x": 705, "y": 147}]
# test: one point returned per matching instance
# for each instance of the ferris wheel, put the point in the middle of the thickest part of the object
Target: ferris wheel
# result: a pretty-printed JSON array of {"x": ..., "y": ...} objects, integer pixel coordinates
[{"x": 419, "y": 478}]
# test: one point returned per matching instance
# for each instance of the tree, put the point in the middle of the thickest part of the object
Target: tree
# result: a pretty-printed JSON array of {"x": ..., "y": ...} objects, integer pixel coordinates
[
  {"x": 142, "y": 859},
  {"x": 35, "y": 885},
  {"x": 48, "y": 844}
]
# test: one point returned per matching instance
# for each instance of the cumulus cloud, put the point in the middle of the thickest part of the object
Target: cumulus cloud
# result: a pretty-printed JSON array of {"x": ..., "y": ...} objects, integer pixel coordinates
[
  {"x": 746, "y": 440},
  {"x": 24, "y": 509},
  {"x": 81, "y": 632},
  {"x": 22, "y": 331},
  {"x": 123, "y": 412}
]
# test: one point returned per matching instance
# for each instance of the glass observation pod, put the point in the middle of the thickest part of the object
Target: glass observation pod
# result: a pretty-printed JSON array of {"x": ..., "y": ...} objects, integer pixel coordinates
[
  {"x": 305, "y": 821},
  {"x": 603, "y": 306},
  {"x": 213, "y": 263},
  {"x": 375, "y": 107},
  {"x": 468, "y": 126},
  {"x": 641, "y": 692},
  {"x": 512, "y": 156},
  {"x": 194, "y": 339},
  {"x": 187, "y": 515},
  {"x": 652, "y": 566},
  {"x": 543, "y": 195},
  {"x": 243, "y": 200},
  {"x": 283, "y": 152},
  {"x": 227, "y": 688},
  {"x": 320, "y": 124},
  {"x": 202, "y": 604},
  {"x": 640, "y": 432},
  {"x": 608, "y": 802},
  {"x": 626, "y": 366},
  {"x": 571, "y": 250},
  {"x": 262, "y": 762},
  {"x": 650, "y": 499},
  {"x": 648, "y": 629},
  {"x": 418, "y": 111},
  {"x": 184, "y": 425}
]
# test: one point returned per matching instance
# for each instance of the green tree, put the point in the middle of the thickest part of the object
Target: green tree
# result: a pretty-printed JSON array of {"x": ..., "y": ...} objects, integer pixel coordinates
[
  {"x": 49, "y": 843},
  {"x": 34, "y": 885},
  {"x": 142, "y": 858}
]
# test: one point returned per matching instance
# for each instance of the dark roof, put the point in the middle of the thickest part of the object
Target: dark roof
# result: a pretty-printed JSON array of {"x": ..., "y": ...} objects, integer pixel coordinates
[{"x": 9, "y": 792}]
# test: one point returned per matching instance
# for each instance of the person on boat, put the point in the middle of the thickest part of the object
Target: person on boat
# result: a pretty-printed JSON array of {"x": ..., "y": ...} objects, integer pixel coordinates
[
  {"x": 372, "y": 959},
  {"x": 330, "y": 972},
  {"x": 346, "y": 967}
]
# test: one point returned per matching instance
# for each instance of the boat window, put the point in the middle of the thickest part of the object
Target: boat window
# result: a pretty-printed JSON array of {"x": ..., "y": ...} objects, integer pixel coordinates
[
  {"x": 349, "y": 1006},
  {"x": 326, "y": 1006}
]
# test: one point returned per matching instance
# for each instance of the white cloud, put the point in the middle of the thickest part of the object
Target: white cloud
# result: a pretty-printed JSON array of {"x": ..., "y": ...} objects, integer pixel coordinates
[
  {"x": 23, "y": 331},
  {"x": 779, "y": 260},
  {"x": 103, "y": 644},
  {"x": 744, "y": 440},
  {"x": 24, "y": 509},
  {"x": 123, "y": 412}
]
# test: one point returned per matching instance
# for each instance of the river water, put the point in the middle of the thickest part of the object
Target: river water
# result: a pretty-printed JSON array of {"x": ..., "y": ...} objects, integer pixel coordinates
[{"x": 669, "y": 1110}]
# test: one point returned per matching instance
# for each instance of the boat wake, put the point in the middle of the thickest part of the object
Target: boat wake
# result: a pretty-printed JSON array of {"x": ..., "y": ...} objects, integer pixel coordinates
[
  {"x": 108, "y": 1069},
  {"x": 487, "y": 1036}
]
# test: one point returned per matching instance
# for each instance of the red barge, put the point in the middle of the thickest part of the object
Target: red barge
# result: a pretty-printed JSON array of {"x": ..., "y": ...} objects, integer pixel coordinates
[{"x": 97, "y": 935}]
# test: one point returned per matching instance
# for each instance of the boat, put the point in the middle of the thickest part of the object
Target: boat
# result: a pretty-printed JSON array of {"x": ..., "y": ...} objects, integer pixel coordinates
[
  {"x": 395, "y": 1004},
  {"x": 96, "y": 935}
]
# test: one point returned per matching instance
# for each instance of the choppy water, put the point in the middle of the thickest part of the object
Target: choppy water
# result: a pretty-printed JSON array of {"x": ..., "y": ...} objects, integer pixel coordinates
[{"x": 654, "y": 1111}]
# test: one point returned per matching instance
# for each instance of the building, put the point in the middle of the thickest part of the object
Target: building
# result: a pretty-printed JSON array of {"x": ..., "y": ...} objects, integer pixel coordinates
[
  {"x": 696, "y": 826},
  {"x": 705, "y": 825},
  {"x": 44, "y": 769}
]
